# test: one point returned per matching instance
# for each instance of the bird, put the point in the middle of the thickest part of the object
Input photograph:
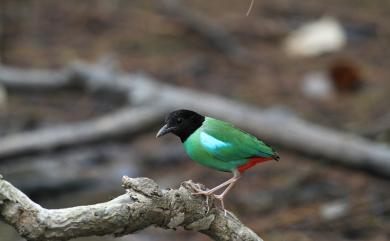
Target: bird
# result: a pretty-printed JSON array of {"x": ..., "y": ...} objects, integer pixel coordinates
[{"x": 218, "y": 145}]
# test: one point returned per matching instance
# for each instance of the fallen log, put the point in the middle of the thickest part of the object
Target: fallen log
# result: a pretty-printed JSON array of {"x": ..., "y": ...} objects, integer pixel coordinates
[
  {"x": 79, "y": 168},
  {"x": 284, "y": 130},
  {"x": 144, "y": 205},
  {"x": 122, "y": 123}
]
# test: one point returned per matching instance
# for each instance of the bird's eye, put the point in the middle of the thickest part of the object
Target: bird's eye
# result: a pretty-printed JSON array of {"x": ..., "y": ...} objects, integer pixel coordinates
[{"x": 179, "y": 120}]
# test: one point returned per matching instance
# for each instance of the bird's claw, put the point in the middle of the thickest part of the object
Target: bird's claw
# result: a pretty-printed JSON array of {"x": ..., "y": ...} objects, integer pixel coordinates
[
  {"x": 207, "y": 205},
  {"x": 220, "y": 198},
  {"x": 196, "y": 187},
  {"x": 200, "y": 191},
  {"x": 207, "y": 194}
]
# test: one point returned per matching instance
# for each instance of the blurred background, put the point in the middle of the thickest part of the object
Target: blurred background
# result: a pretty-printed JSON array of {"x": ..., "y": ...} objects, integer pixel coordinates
[{"x": 327, "y": 62}]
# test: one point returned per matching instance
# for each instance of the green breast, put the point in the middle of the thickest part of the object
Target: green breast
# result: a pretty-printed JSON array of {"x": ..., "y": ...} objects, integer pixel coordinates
[{"x": 199, "y": 154}]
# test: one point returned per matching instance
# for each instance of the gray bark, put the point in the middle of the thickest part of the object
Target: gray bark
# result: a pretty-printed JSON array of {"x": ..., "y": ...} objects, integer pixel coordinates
[{"x": 143, "y": 205}]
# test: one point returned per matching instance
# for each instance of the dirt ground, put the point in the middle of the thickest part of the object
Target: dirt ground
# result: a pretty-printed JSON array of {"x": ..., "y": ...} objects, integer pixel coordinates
[{"x": 288, "y": 200}]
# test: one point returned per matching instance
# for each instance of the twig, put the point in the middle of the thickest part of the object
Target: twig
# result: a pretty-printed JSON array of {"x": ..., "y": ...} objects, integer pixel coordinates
[
  {"x": 144, "y": 205},
  {"x": 250, "y": 7}
]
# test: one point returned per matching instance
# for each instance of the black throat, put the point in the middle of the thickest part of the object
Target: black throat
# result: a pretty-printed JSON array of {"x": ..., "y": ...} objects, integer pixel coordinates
[{"x": 190, "y": 127}]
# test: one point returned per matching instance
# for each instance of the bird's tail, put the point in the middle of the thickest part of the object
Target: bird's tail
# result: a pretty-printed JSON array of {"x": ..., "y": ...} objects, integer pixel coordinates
[{"x": 276, "y": 157}]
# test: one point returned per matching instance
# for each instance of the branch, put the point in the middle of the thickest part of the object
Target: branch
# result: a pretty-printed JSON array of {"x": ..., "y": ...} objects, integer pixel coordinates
[
  {"x": 145, "y": 204},
  {"x": 65, "y": 171},
  {"x": 124, "y": 122},
  {"x": 141, "y": 90}
]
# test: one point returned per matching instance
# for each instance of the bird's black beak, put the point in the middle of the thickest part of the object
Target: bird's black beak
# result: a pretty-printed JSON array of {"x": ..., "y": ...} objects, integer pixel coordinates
[{"x": 164, "y": 130}]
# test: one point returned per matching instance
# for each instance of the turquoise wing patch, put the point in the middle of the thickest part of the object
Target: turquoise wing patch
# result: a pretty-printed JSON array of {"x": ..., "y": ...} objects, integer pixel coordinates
[{"x": 211, "y": 143}]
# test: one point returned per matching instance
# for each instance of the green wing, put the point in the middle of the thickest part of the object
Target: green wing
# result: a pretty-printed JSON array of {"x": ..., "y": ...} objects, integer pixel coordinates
[{"x": 228, "y": 143}]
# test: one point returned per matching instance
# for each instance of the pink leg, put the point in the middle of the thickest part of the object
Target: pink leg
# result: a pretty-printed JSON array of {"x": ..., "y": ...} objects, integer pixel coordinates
[
  {"x": 211, "y": 191},
  {"x": 228, "y": 182},
  {"x": 223, "y": 194}
]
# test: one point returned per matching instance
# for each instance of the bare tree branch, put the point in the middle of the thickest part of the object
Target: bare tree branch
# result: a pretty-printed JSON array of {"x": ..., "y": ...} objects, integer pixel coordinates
[
  {"x": 145, "y": 204},
  {"x": 124, "y": 122},
  {"x": 66, "y": 170},
  {"x": 141, "y": 90}
]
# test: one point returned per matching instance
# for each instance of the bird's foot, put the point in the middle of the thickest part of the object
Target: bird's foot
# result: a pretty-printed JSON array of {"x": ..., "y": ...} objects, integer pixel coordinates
[
  {"x": 196, "y": 186},
  {"x": 203, "y": 192},
  {"x": 207, "y": 205},
  {"x": 200, "y": 191},
  {"x": 220, "y": 198}
]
